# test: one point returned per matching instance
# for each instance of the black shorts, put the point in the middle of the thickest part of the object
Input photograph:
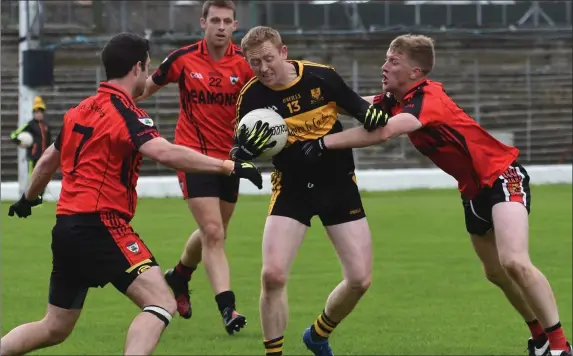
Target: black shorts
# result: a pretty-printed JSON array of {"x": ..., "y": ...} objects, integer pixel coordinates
[
  {"x": 92, "y": 250},
  {"x": 200, "y": 185},
  {"x": 334, "y": 202},
  {"x": 512, "y": 185}
]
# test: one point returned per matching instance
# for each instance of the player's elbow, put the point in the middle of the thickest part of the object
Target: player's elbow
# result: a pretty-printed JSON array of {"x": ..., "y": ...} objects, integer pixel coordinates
[
  {"x": 165, "y": 156},
  {"x": 383, "y": 134},
  {"x": 159, "y": 150},
  {"x": 49, "y": 161}
]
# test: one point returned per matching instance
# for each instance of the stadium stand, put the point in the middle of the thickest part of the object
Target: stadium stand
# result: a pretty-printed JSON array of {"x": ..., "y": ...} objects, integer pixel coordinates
[{"x": 518, "y": 85}]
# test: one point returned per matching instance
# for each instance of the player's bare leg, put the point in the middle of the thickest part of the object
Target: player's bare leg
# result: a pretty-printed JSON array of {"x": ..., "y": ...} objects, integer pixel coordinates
[
  {"x": 150, "y": 292},
  {"x": 212, "y": 216},
  {"x": 353, "y": 244},
  {"x": 512, "y": 236},
  {"x": 282, "y": 238},
  {"x": 53, "y": 329},
  {"x": 486, "y": 249},
  {"x": 192, "y": 253}
]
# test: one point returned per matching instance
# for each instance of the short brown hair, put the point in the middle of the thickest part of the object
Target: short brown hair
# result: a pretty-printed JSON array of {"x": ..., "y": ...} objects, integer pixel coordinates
[
  {"x": 227, "y": 4},
  {"x": 259, "y": 35},
  {"x": 418, "y": 48}
]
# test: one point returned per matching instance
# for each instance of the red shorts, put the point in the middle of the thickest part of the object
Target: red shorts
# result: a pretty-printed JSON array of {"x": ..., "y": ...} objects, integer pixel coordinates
[{"x": 511, "y": 186}]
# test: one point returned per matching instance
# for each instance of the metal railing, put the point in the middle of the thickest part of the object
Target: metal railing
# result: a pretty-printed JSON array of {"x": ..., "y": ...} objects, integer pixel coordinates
[
  {"x": 173, "y": 16},
  {"x": 522, "y": 98}
]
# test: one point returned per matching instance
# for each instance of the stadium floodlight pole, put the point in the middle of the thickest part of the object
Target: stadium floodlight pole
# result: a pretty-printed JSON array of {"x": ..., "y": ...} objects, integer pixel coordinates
[{"x": 27, "y": 18}]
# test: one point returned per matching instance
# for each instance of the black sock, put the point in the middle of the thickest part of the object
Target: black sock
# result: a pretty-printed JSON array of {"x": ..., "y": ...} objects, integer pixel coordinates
[
  {"x": 322, "y": 327},
  {"x": 225, "y": 300},
  {"x": 274, "y": 347}
]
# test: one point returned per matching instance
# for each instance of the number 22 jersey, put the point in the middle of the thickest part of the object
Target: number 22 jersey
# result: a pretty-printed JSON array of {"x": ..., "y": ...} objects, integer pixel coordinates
[
  {"x": 99, "y": 156},
  {"x": 208, "y": 91}
]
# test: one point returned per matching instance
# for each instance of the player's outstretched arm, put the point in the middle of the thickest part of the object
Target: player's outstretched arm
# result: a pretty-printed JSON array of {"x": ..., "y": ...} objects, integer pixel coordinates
[
  {"x": 43, "y": 172},
  {"x": 150, "y": 89},
  {"x": 369, "y": 99},
  {"x": 358, "y": 137},
  {"x": 185, "y": 159}
]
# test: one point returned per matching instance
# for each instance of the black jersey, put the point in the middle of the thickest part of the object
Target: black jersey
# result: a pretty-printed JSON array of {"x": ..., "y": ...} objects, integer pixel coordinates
[{"x": 310, "y": 106}]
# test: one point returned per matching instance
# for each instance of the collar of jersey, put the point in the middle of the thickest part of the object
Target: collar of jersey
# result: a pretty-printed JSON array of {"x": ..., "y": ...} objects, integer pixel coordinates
[
  {"x": 413, "y": 88},
  {"x": 205, "y": 50},
  {"x": 108, "y": 88},
  {"x": 299, "y": 67}
]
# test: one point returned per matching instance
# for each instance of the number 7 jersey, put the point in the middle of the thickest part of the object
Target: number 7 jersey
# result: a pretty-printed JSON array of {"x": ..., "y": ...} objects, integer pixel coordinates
[{"x": 99, "y": 153}]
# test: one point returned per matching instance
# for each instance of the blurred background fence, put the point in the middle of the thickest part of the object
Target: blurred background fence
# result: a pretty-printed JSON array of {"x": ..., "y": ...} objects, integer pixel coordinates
[
  {"x": 507, "y": 63},
  {"x": 182, "y": 16}
]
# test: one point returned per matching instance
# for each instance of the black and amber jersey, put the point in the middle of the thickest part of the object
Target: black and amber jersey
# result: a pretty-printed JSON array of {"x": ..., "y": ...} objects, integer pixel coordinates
[{"x": 310, "y": 106}]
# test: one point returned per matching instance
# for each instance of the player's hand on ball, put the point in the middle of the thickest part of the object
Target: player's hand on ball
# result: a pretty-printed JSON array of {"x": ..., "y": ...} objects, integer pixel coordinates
[
  {"x": 248, "y": 171},
  {"x": 375, "y": 118},
  {"x": 250, "y": 145},
  {"x": 23, "y": 207},
  {"x": 313, "y": 149}
]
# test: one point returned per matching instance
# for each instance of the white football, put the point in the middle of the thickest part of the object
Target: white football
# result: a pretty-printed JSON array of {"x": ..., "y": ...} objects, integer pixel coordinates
[
  {"x": 276, "y": 123},
  {"x": 25, "y": 138}
]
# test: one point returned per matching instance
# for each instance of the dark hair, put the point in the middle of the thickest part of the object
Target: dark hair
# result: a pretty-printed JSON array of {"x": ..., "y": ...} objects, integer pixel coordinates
[
  {"x": 122, "y": 52},
  {"x": 227, "y": 4}
]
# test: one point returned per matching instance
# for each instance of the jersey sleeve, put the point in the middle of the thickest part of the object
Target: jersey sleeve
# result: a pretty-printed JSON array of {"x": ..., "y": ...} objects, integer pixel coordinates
[
  {"x": 169, "y": 70},
  {"x": 378, "y": 100},
  {"x": 344, "y": 96},
  {"x": 58, "y": 141},
  {"x": 385, "y": 102},
  {"x": 425, "y": 106},
  {"x": 140, "y": 126}
]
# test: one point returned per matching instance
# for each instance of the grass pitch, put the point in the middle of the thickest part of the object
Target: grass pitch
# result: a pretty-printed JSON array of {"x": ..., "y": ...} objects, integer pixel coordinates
[{"x": 428, "y": 295}]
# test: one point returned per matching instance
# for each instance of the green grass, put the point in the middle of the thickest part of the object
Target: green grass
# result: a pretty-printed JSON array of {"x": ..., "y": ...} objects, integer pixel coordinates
[{"x": 428, "y": 294}]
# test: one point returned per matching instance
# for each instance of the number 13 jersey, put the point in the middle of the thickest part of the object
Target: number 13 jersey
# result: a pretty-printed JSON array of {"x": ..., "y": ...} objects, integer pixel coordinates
[{"x": 99, "y": 153}]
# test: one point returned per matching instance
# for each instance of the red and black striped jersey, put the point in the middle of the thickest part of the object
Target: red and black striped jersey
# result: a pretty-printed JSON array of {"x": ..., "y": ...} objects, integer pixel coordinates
[
  {"x": 208, "y": 92},
  {"x": 99, "y": 153},
  {"x": 449, "y": 137}
]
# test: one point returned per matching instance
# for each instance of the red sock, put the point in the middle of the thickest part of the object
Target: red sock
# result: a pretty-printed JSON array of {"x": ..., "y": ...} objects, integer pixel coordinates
[
  {"x": 537, "y": 331},
  {"x": 556, "y": 336},
  {"x": 184, "y": 271}
]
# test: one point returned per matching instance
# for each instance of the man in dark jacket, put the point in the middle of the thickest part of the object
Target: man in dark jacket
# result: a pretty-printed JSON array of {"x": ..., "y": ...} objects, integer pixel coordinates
[{"x": 39, "y": 130}]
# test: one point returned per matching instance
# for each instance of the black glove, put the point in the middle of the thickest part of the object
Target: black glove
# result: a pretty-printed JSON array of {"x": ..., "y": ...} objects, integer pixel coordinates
[
  {"x": 313, "y": 149},
  {"x": 249, "y": 171},
  {"x": 250, "y": 145},
  {"x": 375, "y": 118},
  {"x": 23, "y": 207}
]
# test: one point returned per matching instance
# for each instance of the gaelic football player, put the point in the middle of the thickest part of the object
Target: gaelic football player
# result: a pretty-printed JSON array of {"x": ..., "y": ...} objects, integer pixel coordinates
[
  {"x": 210, "y": 74},
  {"x": 308, "y": 95},
  {"x": 99, "y": 152},
  {"x": 495, "y": 188}
]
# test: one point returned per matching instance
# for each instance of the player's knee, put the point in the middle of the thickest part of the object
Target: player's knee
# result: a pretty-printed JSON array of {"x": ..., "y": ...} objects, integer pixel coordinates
[
  {"x": 496, "y": 276},
  {"x": 56, "y": 332},
  {"x": 273, "y": 277},
  {"x": 213, "y": 235},
  {"x": 360, "y": 283},
  {"x": 518, "y": 269},
  {"x": 168, "y": 303},
  {"x": 163, "y": 312}
]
